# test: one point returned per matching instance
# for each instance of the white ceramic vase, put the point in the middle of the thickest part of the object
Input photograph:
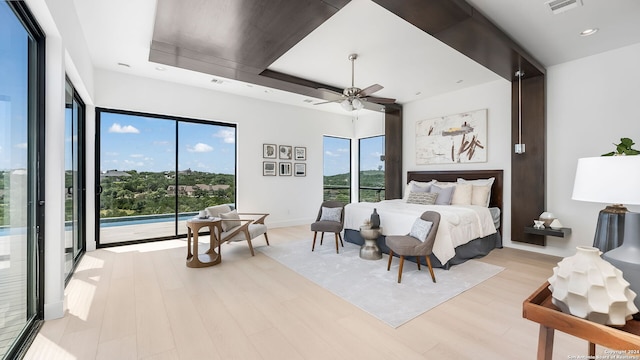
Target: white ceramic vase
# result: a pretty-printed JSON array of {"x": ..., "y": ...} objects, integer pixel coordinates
[{"x": 589, "y": 287}]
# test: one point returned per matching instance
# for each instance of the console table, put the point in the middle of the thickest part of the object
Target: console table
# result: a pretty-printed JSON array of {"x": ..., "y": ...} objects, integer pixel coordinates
[
  {"x": 209, "y": 257},
  {"x": 539, "y": 308}
]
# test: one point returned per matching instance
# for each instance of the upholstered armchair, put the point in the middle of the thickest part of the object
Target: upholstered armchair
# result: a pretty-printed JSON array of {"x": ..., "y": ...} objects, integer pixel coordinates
[
  {"x": 330, "y": 219},
  {"x": 418, "y": 243},
  {"x": 235, "y": 228}
]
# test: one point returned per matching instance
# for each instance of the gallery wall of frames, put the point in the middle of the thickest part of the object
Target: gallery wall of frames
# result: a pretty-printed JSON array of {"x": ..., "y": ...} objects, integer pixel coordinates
[{"x": 284, "y": 160}]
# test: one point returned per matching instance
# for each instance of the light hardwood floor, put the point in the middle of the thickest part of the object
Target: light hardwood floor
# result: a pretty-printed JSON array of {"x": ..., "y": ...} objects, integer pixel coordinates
[{"x": 142, "y": 302}]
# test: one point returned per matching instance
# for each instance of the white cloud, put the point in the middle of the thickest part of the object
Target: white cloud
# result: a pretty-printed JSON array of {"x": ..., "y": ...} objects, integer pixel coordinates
[
  {"x": 228, "y": 136},
  {"x": 161, "y": 143},
  {"x": 22, "y": 146},
  {"x": 343, "y": 150},
  {"x": 136, "y": 155},
  {"x": 200, "y": 148},
  {"x": 119, "y": 129},
  {"x": 330, "y": 153}
]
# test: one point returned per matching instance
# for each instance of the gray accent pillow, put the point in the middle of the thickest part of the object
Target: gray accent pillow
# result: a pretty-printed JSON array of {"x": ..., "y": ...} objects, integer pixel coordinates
[
  {"x": 331, "y": 214},
  {"x": 422, "y": 198},
  {"x": 444, "y": 194},
  {"x": 420, "y": 229}
]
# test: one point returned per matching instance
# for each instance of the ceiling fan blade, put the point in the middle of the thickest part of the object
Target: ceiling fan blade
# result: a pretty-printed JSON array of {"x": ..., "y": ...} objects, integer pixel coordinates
[
  {"x": 328, "y": 102},
  {"x": 380, "y": 100},
  {"x": 370, "y": 90}
]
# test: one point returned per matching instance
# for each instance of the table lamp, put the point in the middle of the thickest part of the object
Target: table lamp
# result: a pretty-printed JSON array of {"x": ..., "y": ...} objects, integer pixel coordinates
[{"x": 615, "y": 180}]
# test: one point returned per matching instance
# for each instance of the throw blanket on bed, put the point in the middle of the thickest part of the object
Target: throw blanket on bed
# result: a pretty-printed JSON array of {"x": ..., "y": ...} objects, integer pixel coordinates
[{"x": 459, "y": 224}]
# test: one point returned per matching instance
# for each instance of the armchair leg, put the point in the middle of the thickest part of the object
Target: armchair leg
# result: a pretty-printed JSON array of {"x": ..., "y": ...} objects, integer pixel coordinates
[
  {"x": 433, "y": 277},
  {"x": 267, "y": 239},
  {"x": 390, "y": 257},
  {"x": 336, "y": 236},
  {"x": 340, "y": 236},
  {"x": 313, "y": 246},
  {"x": 418, "y": 262},
  {"x": 250, "y": 247},
  {"x": 400, "y": 269},
  {"x": 321, "y": 237}
]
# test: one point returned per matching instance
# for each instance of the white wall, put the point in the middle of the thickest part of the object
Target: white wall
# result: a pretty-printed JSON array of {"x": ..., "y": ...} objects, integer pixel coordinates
[
  {"x": 289, "y": 200},
  {"x": 496, "y": 98},
  {"x": 591, "y": 104}
]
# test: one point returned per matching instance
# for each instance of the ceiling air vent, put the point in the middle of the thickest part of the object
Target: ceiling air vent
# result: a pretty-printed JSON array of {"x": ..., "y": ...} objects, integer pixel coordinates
[{"x": 559, "y": 6}]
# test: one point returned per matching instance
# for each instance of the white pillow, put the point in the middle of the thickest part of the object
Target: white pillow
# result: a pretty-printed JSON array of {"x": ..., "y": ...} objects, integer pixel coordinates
[
  {"x": 420, "y": 229},
  {"x": 480, "y": 182},
  {"x": 462, "y": 194},
  {"x": 230, "y": 220},
  {"x": 331, "y": 214},
  {"x": 416, "y": 186},
  {"x": 481, "y": 195}
]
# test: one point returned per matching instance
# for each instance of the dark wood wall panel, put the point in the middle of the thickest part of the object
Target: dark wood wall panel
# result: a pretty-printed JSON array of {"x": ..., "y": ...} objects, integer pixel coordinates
[
  {"x": 528, "y": 170},
  {"x": 393, "y": 152}
]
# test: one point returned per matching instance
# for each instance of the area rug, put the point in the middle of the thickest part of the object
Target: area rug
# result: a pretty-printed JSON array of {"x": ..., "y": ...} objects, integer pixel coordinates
[{"x": 368, "y": 285}]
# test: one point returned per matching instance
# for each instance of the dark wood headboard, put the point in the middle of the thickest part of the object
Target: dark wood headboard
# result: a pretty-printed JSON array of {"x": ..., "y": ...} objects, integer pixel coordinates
[{"x": 452, "y": 176}]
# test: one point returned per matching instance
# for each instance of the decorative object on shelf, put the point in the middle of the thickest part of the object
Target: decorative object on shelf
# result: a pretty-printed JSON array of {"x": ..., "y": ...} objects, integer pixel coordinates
[
  {"x": 610, "y": 180},
  {"x": 627, "y": 256},
  {"x": 547, "y": 217},
  {"x": 589, "y": 287},
  {"x": 556, "y": 224},
  {"x": 538, "y": 224},
  {"x": 269, "y": 151},
  {"x": 375, "y": 219}
]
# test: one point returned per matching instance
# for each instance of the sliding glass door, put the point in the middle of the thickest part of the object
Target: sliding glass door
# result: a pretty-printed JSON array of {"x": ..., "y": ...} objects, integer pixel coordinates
[
  {"x": 21, "y": 74},
  {"x": 158, "y": 171},
  {"x": 74, "y": 179}
]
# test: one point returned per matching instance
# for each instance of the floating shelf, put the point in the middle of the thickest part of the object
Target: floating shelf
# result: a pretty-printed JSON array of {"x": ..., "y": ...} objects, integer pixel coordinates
[{"x": 562, "y": 232}]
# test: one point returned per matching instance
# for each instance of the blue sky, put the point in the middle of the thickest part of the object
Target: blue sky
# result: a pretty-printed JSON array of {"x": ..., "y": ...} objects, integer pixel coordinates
[
  {"x": 129, "y": 142},
  {"x": 337, "y": 154}
]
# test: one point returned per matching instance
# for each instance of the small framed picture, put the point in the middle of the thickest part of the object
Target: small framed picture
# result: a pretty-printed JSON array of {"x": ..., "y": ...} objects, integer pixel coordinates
[
  {"x": 300, "y": 169},
  {"x": 268, "y": 168},
  {"x": 300, "y": 153},
  {"x": 285, "y": 169},
  {"x": 269, "y": 151},
  {"x": 285, "y": 152}
]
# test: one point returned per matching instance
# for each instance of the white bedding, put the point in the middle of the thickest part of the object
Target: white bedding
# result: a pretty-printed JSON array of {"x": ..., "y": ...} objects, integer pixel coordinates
[{"x": 459, "y": 224}]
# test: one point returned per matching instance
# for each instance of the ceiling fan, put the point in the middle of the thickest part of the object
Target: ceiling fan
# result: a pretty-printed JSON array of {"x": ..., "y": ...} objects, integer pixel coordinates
[{"x": 353, "y": 98}]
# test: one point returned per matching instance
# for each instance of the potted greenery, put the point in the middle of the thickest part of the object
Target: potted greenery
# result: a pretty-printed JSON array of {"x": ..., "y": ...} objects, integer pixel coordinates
[{"x": 624, "y": 148}]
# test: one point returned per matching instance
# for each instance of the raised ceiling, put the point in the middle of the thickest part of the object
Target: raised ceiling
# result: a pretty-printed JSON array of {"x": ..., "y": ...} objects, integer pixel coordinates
[{"x": 408, "y": 62}]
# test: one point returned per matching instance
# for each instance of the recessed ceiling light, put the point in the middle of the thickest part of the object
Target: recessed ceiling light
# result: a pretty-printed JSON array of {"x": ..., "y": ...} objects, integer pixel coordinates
[
  {"x": 217, "y": 81},
  {"x": 123, "y": 64},
  {"x": 589, "y": 32},
  {"x": 160, "y": 68},
  {"x": 267, "y": 91},
  {"x": 308, "y": 101},
  {"x": 459, "y": 81},
  {"x": 418, "y": 93}
]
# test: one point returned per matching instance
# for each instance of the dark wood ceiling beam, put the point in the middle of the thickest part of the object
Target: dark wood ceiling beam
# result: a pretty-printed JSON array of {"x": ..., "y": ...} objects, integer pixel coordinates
[{"x": 460, "y": 26}]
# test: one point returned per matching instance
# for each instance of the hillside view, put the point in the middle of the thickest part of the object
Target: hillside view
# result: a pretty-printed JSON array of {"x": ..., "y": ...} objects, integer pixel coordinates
[{"x": 336, "y": 187}]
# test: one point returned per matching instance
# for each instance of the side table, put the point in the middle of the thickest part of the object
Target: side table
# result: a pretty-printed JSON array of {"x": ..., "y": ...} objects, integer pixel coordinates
[
  {"x": 370, "y": 249},
  {"x": 625, "y": 340},
  {"x": 209, "y": 257}
]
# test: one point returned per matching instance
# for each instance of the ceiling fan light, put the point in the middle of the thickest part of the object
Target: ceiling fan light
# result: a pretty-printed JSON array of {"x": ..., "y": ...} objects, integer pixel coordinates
[
  {"x": 346, "y": 104},
  {"x": 357, "y": 104}
]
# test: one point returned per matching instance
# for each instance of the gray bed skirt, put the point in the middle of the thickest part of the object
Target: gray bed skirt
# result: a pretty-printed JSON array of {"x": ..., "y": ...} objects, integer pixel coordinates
[{"x": 473, "y": 249}]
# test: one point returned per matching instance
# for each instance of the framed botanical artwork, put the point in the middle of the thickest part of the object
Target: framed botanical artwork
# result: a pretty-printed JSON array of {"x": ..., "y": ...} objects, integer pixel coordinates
[
  {"x": 285, "y": 152},
  {"x": 268, "y": 168},
  {"x": 285, "y": 169},
  {"x": 300, "y": 169},
  {"x": 300, "y": 153},
  {"x": 269, "y": 151}
]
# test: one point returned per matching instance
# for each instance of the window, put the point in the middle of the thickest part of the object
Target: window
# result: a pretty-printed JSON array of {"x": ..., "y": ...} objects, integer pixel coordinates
[
  {"x": 371, "y": 174},
  {"x": 21, "y": 143},
  {"x": 337, "y": 169},
  {"x": 156, "y": 172}
]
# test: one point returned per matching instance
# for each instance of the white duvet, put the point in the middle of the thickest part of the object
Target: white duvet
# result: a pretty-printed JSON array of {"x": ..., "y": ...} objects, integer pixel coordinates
[{"x": 459, "y": 224}]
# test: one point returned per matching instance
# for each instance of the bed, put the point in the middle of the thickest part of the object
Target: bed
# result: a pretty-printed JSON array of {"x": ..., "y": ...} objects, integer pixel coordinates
[{"x": 468, "y": 232}]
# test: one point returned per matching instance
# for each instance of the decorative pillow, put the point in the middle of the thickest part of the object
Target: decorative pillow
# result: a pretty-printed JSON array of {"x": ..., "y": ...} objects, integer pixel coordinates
[
  {"x": 420, "y": 229},
  {"x": 444, "y": 194},
  {"x": 417, "y": 186},
  {"x": 462, "y": 194},
  {"x": 481, "y": 195},
  {"x": 422, "y": 198},
  {"x": 230, "y": 220},
  {"x": 480, "y": 182},
  {"x": 331, "y": 214},
  {"x": 443, "y": 184}
]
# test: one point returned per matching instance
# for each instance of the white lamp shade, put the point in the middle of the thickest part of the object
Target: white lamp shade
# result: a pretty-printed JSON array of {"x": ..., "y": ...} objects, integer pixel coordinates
[
  {"x": 346, "y": 104},
  {"x": 608, "y": 179},
  {"x": 357, "y": 104}
]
